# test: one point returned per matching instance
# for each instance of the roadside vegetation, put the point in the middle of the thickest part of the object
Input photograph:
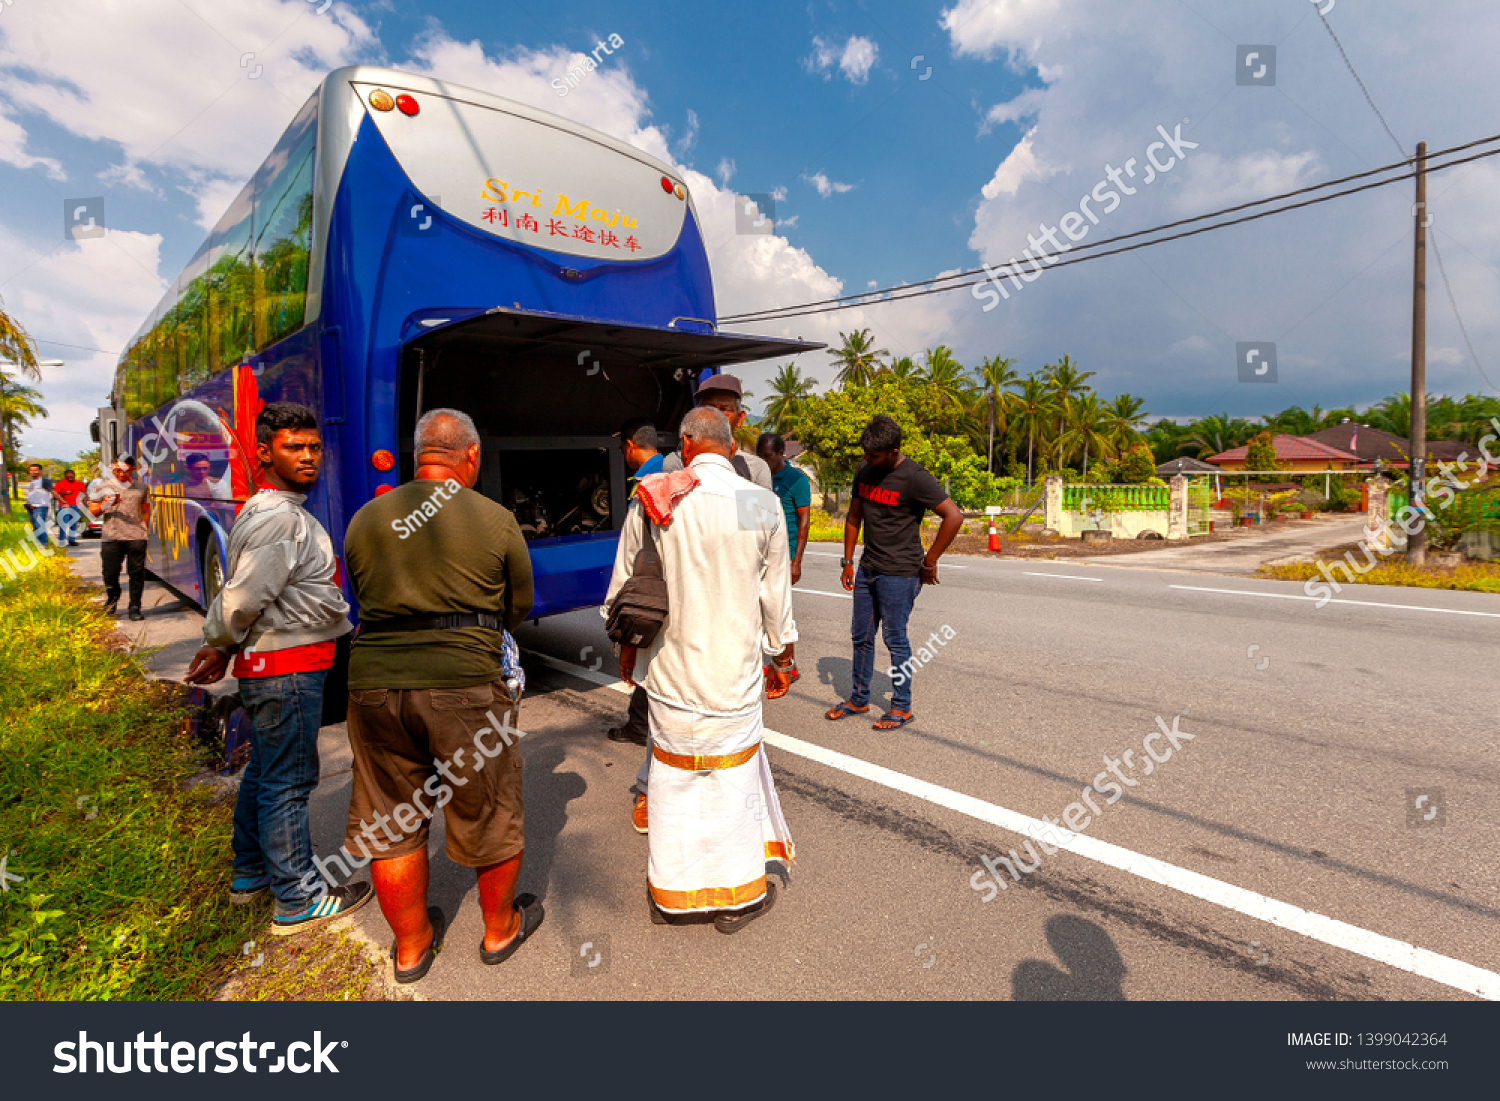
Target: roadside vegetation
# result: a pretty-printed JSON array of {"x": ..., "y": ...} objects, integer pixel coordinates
[
  {"x": 116, "y": 870},
  {"x": 990, "y": 431},
  {"x": 1477, "y": 577}
]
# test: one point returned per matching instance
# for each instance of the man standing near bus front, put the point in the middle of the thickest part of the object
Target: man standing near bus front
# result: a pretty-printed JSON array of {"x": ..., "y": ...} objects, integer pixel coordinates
[
  {"x": 638, "y": 440},
  {"x": 442, "y": 574},
  {"x": 282, "y": 612}
]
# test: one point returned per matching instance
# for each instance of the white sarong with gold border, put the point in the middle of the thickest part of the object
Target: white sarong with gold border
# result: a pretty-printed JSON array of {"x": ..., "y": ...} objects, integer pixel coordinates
[{"x": 714, "y": 816}]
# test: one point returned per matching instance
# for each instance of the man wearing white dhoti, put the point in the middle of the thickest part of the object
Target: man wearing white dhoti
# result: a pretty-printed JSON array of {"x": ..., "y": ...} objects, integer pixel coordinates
[{"x": 715, "y": 818}]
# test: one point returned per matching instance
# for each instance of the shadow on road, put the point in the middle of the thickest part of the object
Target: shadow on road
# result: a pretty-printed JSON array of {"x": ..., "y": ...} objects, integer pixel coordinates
[{"x": 1094, "y": 969}]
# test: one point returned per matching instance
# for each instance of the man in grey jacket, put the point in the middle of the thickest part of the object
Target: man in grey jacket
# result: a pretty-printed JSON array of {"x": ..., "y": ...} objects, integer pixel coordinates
[{"x": 280, "y": 613}]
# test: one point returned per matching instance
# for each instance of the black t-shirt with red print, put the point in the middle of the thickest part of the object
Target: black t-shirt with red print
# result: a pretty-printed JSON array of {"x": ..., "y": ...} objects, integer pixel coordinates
[{"x": 894, "y": 501}]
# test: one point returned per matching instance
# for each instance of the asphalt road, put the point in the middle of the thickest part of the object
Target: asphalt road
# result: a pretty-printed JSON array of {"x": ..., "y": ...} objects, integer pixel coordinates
[{"x": 1275, "y": 855}]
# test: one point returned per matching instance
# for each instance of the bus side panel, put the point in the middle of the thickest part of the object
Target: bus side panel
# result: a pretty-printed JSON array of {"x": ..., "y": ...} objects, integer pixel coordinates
[{"x": 215, "y": 421}]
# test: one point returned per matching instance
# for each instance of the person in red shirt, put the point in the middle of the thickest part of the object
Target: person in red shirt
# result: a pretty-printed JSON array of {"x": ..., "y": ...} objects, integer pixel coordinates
[{"x": 69, "y": 515}]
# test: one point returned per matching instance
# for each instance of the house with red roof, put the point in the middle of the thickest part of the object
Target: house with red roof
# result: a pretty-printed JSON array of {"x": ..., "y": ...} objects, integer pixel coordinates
[{"x": 1294, "y": 454}]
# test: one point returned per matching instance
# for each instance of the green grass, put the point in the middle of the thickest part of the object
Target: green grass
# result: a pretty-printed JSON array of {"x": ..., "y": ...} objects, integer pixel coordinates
[
  {"x": 1477, "y": 577},
  {"x": 131, "y": 902}
]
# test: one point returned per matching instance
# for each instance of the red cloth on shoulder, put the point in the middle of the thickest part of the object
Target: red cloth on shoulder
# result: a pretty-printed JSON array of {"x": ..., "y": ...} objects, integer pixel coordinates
[{"x": 659, "y": 493}]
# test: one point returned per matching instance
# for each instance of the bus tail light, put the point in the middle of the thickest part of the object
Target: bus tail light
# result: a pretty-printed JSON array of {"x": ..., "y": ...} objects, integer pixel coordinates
[
  {"x": 667, "y": 185},
  {"x": 383, "y": 460},
  {"x": 381, "y": 100},
  {"x": 406, "y": 105},
  {"x": 379, "y": 490}
]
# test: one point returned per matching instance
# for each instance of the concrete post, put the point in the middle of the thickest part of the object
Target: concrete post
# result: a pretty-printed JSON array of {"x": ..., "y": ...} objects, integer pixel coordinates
[
  {"x": 1378, "y": 521},
  {"x": 1055, "y": 503},
  {"x": 1177, "y": 515}
]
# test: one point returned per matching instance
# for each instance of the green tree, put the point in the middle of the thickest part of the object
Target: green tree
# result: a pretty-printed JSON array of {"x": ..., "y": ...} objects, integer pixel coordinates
[
  {"x": 1136, "y": 466},
  {"x": 19, "y": 404},
  {"x": 1066, "y": 383},
  {"x": 995, "y": 400},
  {"x": 1262, "y": 453},
  {"x": 1217, "y": 433},
  {"x": 790, "y": 389},
  {"x": 948, "y": 387},
  {"x": 858, "y": 359},
  {"x": 1085, "y": 430},
  {"x": 903, "y": 368},
  {"x": 1034, "y": 408},
  {"x": 1122, "y": 422}
]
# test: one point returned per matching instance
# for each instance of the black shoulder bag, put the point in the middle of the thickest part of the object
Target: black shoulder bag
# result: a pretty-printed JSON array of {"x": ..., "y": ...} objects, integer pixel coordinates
[{"x": 640, "y": 607}]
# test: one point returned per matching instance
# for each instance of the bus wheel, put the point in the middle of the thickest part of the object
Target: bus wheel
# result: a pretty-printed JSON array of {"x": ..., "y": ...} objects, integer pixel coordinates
[{"x": 213, "y": 574}]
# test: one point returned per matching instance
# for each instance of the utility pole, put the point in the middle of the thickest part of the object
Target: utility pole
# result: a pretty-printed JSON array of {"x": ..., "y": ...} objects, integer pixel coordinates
[{"x": 1416, "y": 547}]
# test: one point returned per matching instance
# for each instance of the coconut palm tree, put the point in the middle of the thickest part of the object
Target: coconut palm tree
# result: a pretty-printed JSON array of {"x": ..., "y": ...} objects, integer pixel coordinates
[
  {"x": 1034, "y": 411},
  {"x": 789, "y": 390},
  {"x": 1123, "y": 418},
  {"x": 946, "y": 381},
  {"x": 1214, "y": 434},
  {"x": 996, "y": 374},
  {"x": 1066, "y": 382},
  {"x": 18, "y": 405},
  {"x": 858, "y": 359},
  {"x": 1087, "y": 419},
  {"x": 17, "y": 348},
  {"x": 903, "y": 369}
]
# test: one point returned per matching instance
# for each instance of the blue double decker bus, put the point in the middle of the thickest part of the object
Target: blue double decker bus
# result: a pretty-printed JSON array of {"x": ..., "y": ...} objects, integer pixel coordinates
[{"x": 410, "y": 244}]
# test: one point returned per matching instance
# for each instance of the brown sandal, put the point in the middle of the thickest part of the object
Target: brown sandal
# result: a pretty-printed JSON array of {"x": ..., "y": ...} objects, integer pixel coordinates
[{"x": 845, "y": 709}]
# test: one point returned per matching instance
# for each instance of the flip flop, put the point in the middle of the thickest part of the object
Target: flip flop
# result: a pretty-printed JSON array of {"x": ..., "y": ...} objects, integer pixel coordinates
[
  {"x": 439, "y": 927},
  {"x": 895, "y": 721},
  {"x": 526, "y": 905},
  {"x": 845, "y": 709}
]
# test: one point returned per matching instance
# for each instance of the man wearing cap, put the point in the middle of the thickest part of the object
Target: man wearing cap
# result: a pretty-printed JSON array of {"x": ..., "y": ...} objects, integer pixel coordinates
[
  {"x": 639, "y": 443},
  {"x": 724, "y": 393}
]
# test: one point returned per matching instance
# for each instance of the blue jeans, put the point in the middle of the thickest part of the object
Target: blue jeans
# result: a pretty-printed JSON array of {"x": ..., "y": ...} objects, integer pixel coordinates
[
  {"x": 272, "y": 835},
  {"x": 885, "y": 602},
  {"x": 37, "y": 517},
  {"x": 69, "y": 524}
]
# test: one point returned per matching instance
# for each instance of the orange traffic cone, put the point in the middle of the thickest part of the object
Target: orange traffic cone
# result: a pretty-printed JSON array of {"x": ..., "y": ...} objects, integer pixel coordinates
[{"x": 994, "y": 537}]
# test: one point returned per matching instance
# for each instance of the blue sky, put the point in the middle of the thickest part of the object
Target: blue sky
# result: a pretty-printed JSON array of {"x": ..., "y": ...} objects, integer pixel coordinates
[{"x": 885, "y": 177}]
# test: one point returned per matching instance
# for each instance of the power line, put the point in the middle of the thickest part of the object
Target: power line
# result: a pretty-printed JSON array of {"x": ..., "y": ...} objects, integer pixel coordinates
[
  {"x": 1442, "y": 269},
  {"x": 893, "y": 293},
  {"x": 1454, "y": 303},
  {"x": 1350, "y": 66}
]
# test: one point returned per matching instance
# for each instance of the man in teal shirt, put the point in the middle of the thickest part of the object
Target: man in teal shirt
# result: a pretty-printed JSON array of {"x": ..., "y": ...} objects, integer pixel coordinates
[{"x": 795, "y": 491}]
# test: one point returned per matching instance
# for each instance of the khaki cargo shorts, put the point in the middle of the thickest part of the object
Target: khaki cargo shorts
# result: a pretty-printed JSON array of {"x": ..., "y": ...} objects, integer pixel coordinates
[{"x": 418, "y": 750}]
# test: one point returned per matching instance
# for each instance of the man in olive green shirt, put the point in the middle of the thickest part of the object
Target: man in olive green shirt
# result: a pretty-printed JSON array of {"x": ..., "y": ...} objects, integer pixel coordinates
[{"x": 440, "y": 572}]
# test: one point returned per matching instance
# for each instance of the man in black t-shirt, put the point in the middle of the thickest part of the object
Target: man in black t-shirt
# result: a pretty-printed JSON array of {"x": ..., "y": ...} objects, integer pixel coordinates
[{"x": 891, "y": 495}]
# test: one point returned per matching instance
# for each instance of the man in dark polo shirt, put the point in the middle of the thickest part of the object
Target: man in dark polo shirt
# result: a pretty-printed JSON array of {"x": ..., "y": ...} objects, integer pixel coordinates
[
  {"x": 441, "y": 574},
  {"x": 892, "y": 493}
]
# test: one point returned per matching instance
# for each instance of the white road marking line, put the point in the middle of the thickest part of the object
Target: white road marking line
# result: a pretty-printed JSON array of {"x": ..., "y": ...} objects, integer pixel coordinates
[
  {"x": 1335, "y": 600},
  {"x": 1064, "y": 576},
  {"x": 820, "y": 592},
  {"x": 1399, "y": 954}
]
